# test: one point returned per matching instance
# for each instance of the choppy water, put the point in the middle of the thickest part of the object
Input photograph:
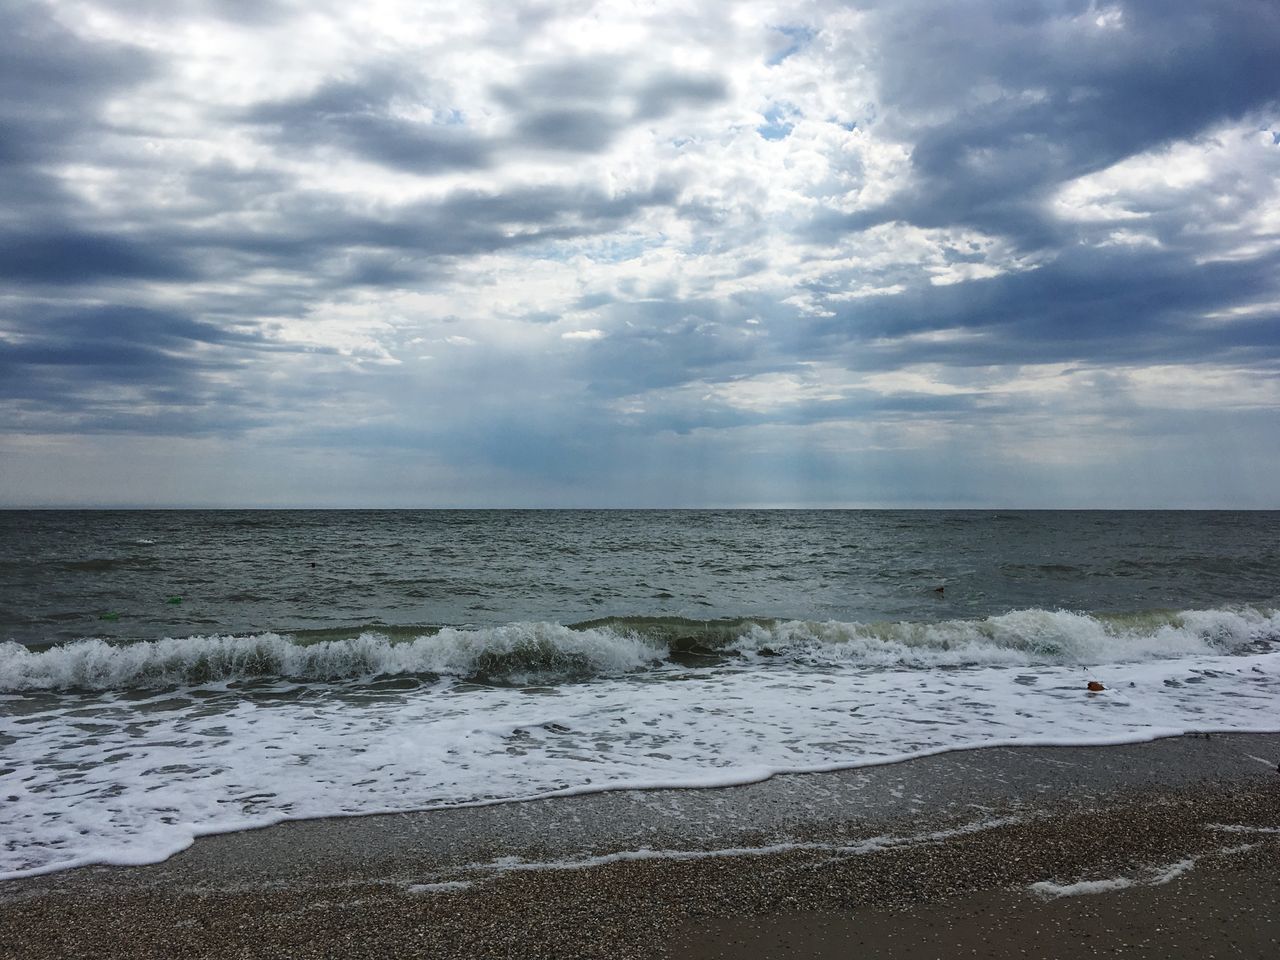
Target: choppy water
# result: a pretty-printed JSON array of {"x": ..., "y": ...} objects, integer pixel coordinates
[{"x": 169, "y": 674}]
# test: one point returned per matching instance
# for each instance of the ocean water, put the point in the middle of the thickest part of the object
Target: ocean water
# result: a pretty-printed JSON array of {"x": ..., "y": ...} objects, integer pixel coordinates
[{"x": 165, "y": 675}]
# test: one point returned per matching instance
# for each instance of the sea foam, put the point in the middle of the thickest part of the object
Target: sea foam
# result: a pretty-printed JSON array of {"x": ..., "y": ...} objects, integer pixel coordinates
[{"x": 129, "y": 777}]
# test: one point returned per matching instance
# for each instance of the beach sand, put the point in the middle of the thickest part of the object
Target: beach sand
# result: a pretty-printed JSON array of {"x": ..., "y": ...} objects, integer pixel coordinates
[
  {"x": 1226, "y": 909},
  {"x": 933, "y": 857}
]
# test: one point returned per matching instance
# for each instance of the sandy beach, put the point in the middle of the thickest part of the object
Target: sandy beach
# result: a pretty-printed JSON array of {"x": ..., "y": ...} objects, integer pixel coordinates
[{"x": 1167, "y": 848}]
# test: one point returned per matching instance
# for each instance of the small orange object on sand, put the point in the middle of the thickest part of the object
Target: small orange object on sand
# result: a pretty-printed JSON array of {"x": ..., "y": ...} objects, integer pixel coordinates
[{"x": 1095, "y": 686}]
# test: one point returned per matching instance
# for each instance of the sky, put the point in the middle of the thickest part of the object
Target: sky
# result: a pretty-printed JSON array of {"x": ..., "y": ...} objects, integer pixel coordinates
[{"x": 566, "y": 253}]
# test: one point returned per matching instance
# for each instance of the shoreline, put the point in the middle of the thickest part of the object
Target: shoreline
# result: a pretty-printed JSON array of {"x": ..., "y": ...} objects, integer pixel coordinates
[
  {"x": 645, "y": 873},
  {"x": 641, "y": 789}
]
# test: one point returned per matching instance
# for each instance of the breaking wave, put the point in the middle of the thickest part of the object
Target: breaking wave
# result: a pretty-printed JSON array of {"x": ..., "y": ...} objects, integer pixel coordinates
[
  {"x": 1020, "y": 637},
  {"x": 525, "y": 653}
]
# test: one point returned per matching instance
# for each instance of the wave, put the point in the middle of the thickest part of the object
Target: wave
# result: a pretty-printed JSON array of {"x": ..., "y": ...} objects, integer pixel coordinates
[
  {"x": 1020, "y": 637},
  {"x": 519, "y": 653},
  {"x": 534, "y": 653}
]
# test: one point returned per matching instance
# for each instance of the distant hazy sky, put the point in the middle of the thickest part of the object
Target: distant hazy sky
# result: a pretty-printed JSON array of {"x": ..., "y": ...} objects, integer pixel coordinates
[{"x": 574, "y": 253}]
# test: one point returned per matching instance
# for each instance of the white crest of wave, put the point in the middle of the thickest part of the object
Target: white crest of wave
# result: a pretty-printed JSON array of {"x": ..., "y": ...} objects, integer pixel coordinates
[
  {"x": 517, "y": 652},
  {"x": 551, "y": 652},
  {"x": 1021, "y": 637}
]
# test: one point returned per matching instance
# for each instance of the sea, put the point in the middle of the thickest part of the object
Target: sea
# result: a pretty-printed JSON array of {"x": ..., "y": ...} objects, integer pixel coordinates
[{"x": 170, "y": 674}]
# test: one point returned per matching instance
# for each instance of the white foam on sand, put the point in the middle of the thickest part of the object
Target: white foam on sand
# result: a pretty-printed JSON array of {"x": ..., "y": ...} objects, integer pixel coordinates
[
  {"x": 1149, "y": 877},
  {"x": 131, "y": 777},
  {"x": 859, "y": 848},
  {"x": 1081, "y": 888}
]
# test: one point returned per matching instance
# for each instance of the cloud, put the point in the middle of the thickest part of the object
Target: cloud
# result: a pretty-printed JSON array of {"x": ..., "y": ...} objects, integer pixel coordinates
[
  {"x": 564, "y": 252},
  {"x": 360, "y": 117},
  {"x": 1002, "y": 101},
  {"x": 55, "y": 85},
  {"x": 51, "y": 256},
  {"x": 661, "y": 96}
]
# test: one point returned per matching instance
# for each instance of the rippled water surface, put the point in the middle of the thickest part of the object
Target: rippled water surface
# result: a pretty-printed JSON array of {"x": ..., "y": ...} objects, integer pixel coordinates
[{"x": 62, "y": 572}]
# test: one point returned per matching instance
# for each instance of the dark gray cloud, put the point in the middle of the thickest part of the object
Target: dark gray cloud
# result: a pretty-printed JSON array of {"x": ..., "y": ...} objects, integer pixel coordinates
[
  {"x": 54, "y": 80},
  {"x": 43, "y": 255},
  {"x": 54, "y": 87},
  {"x": 579, "y": 80},
  {"x": 582, "y": 131},
  {"x": 1092, "y": 306},
  {"x": 358, "y": 116},
  {"x": 107, "y": 369},
  {"x": 1003, "y": 101},
  {"x": 579, "y": 107},
  {"x": 661, "y": 96},
  {"x": 312, "y": 232}
]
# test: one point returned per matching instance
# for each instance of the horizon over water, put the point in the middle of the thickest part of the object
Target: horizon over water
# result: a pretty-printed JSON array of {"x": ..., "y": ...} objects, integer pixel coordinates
[
  {"x": 667, "y": 508},
  {"x": 166, "y": 674}
]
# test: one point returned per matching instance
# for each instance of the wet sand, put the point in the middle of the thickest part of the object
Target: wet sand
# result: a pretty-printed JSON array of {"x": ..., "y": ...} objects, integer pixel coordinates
[
  {"x": 1227, "y": 909},
  {"x": 931, "y": 857}
]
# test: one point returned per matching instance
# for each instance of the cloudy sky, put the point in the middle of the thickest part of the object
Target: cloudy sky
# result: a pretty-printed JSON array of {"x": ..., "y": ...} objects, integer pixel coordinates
[{"x": 576, "y": 253}]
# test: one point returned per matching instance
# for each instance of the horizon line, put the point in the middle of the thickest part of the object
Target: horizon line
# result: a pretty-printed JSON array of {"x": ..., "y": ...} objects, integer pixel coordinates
[{"x": 5, "y": 508}]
